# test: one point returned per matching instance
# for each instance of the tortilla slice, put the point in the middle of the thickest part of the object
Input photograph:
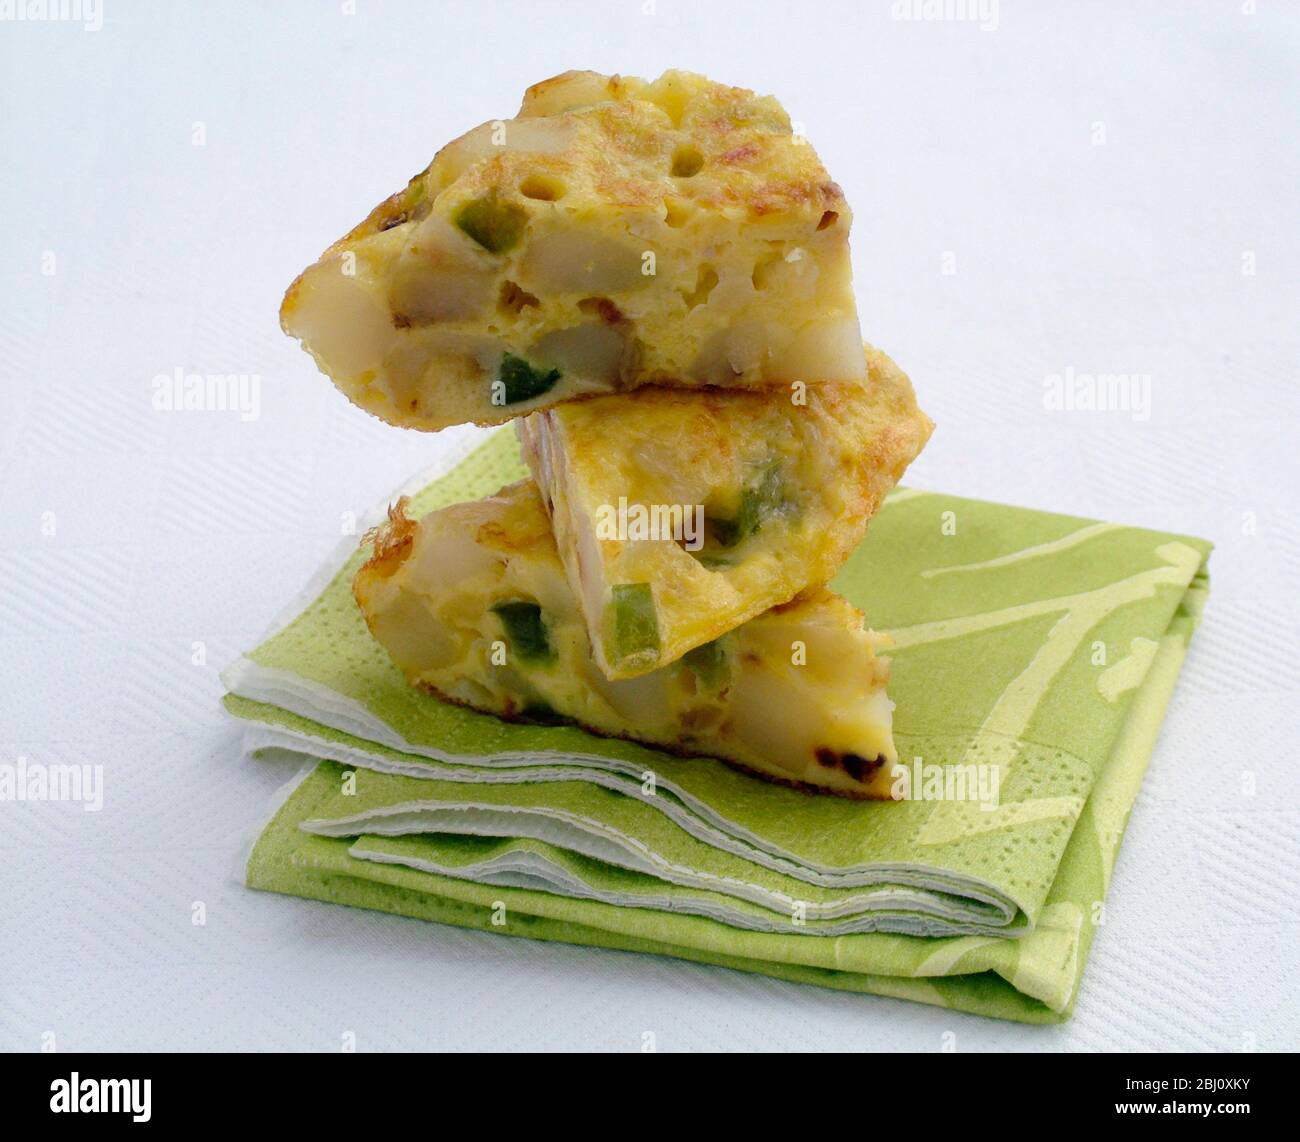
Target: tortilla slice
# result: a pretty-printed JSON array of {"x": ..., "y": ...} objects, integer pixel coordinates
[
  {"x": 472, "y": 603},
  {"x": 680, "y": 515},
  {"x": 616, "y": 233}
]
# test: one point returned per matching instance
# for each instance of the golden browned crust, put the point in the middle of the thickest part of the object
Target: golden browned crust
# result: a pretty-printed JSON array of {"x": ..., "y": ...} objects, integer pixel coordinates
[
  {"x": 903, "y": 430},
  {"x": 391, "y": 541}
]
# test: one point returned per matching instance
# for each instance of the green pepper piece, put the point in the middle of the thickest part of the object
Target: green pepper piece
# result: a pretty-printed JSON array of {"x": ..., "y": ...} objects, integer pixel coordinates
[
  {"x": 729, "y": 532},
  {"x": 635, "y": 622},
  {"x": 523, "y": 381},
  {"x": 525, "y": 630},
  {"x": 412, "y": 202},
  {"x": 711, "y": 562},
  {"x": 757, "y": 503},
  {"x": 415, "y": 192},
  {"x": 496, "y": 226},
  {"x": 708, "y": 663}
]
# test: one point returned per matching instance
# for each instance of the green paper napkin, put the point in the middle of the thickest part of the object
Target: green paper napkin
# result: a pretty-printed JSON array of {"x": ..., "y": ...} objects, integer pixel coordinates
[{"x": 1039, "y": 647}]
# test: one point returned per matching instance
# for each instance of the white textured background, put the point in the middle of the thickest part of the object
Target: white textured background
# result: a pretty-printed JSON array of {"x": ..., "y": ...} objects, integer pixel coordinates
[{"x": 1103, "y": 174}]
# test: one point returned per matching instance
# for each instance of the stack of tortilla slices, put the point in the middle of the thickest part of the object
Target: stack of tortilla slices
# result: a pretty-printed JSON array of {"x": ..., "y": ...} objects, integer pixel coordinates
[{"x": 537, "y": 700}]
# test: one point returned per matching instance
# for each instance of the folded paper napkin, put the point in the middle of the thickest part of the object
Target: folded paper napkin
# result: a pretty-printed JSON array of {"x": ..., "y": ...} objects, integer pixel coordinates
[{"x": 1033, "y": 658}]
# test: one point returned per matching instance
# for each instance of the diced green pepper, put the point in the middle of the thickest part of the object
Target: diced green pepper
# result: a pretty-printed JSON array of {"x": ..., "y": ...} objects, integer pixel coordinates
[
  {"x": 412, "y": 203},
  {"x": 523, "y": 381},
  {"x": 496, "y": 226},
  {"x": 525, "y": 630},
  {"x": 758, "y": 502},
  {"x": 635, "y": 622},
  {"x": 415, "y": 192},
  {"x": 711, "y": 562},
  {"x": 708, "y": 663},
  {"x": 729, "y": 532}
]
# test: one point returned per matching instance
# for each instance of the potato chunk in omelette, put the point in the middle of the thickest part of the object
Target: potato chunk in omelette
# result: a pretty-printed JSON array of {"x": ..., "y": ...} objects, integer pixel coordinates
[
  {"x": 472, "y": 603},
  {"x": 616, "y": 233},
  {"x": 680, "y": 515}
]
